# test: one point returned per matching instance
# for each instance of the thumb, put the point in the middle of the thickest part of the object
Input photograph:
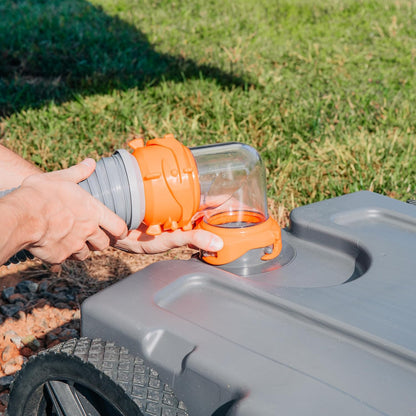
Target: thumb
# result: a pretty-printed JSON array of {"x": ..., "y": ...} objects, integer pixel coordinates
[{"x": 79, "y": 172}]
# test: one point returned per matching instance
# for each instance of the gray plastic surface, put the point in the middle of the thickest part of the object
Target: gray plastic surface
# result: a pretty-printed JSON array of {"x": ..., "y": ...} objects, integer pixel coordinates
[
  {"x": 118, "y": 184},
  {"x": 251, "y": 263},
  {"x": 331, "y": 332}
]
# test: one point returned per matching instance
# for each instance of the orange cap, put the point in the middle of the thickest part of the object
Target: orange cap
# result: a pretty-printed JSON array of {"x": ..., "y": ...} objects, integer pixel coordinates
[
  {"x": 237, "y": 241},
  {"x": 171, "y": 185}
]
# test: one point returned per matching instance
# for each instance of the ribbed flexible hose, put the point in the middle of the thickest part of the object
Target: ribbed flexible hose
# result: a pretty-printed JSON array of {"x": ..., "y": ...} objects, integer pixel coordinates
[{"x": 117, "y": 183}]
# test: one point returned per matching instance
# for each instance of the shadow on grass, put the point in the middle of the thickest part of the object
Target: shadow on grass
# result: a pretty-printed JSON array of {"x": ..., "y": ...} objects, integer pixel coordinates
[{"x": 57, "y": 49}]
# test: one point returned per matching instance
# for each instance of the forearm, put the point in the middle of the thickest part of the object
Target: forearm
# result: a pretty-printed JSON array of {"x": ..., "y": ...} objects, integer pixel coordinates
[{"x": 14, "y": 169}]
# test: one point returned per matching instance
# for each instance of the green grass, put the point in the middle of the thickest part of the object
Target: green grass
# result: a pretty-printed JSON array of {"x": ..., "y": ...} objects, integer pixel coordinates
[{"x": 325, "y": 90}]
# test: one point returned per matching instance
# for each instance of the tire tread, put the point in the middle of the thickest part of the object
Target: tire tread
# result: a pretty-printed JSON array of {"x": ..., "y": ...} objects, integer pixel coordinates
[{"x": 140, "y": 382}]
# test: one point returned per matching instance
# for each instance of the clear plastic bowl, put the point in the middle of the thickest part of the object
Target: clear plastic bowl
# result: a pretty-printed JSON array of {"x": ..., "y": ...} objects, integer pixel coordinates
[{"x": 233, "y": 185}]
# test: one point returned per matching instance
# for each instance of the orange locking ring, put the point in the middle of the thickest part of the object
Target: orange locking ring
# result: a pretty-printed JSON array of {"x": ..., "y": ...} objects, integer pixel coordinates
[
  {"x": 171, "y": 184},
  {"x": 259, "y": 233}
]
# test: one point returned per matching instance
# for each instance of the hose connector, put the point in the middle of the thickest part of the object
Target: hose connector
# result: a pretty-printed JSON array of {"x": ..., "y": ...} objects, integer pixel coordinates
[{"x": 171, "y": 185}]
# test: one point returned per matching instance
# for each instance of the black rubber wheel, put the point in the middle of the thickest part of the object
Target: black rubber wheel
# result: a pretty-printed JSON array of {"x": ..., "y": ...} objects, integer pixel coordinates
[{"x": 84, "y": 377}]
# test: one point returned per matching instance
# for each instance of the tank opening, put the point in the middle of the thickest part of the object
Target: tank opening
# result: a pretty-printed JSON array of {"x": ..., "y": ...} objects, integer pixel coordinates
[{"x": 235, "y": 219}]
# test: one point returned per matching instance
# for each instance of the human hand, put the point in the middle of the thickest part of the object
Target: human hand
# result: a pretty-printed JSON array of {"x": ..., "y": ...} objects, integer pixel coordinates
[
  {"x": 62, "y": 219},
  {"x": 139, "y": 242}
]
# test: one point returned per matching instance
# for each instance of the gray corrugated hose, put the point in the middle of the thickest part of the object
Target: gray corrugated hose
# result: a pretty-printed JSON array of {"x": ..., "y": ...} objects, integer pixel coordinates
[{"x": 117, "y": 183}]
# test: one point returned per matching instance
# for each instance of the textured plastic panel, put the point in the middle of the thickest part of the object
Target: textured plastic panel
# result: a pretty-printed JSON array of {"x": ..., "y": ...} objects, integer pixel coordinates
[{"x": 332, "y": 331}]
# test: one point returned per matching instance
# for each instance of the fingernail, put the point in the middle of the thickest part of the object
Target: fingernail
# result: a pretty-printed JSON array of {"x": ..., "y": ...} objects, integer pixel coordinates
[
  {"x": 216, "y": 244},
  {"x": 89, "y": 162}
]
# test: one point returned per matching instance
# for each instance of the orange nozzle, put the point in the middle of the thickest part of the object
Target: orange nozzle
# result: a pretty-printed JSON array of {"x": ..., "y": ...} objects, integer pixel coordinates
[
  {"x": 171, "y": 185},
  {"x": 237, "y": 241}
]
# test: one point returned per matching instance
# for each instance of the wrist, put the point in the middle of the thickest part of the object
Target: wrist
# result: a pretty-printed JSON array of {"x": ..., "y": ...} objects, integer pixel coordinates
[
  {"x": 25, "y": 224},
  {"x": 12, "y": 238}
]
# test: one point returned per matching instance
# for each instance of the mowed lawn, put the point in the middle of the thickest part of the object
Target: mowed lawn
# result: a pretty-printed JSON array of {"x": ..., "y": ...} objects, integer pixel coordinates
[{"x": 325, "y": 90}]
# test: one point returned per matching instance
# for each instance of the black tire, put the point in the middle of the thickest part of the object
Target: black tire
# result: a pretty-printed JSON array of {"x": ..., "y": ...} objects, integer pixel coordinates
[{"x": 100, "y": 377}]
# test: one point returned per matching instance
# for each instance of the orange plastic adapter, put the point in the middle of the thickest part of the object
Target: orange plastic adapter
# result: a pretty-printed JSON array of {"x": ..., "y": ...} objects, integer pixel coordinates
[
  {"x": 239, "y": 240},
  {"x": 171, "y": 186}
]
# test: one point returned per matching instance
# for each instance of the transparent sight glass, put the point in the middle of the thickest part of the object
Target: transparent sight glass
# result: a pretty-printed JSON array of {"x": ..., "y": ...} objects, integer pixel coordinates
[{"x": 233, "y": 185}]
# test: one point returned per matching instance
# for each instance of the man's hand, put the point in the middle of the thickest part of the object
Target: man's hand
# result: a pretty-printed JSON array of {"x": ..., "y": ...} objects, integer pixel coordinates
[
  {"x": 54, "y": 218},
  {"x": 60, "y": 219},
  {"x": 139, "y": 242}
]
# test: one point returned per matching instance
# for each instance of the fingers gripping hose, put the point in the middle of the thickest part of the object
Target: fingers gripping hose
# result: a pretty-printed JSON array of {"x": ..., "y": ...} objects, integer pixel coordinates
[{"x": 117, "y": 183}]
